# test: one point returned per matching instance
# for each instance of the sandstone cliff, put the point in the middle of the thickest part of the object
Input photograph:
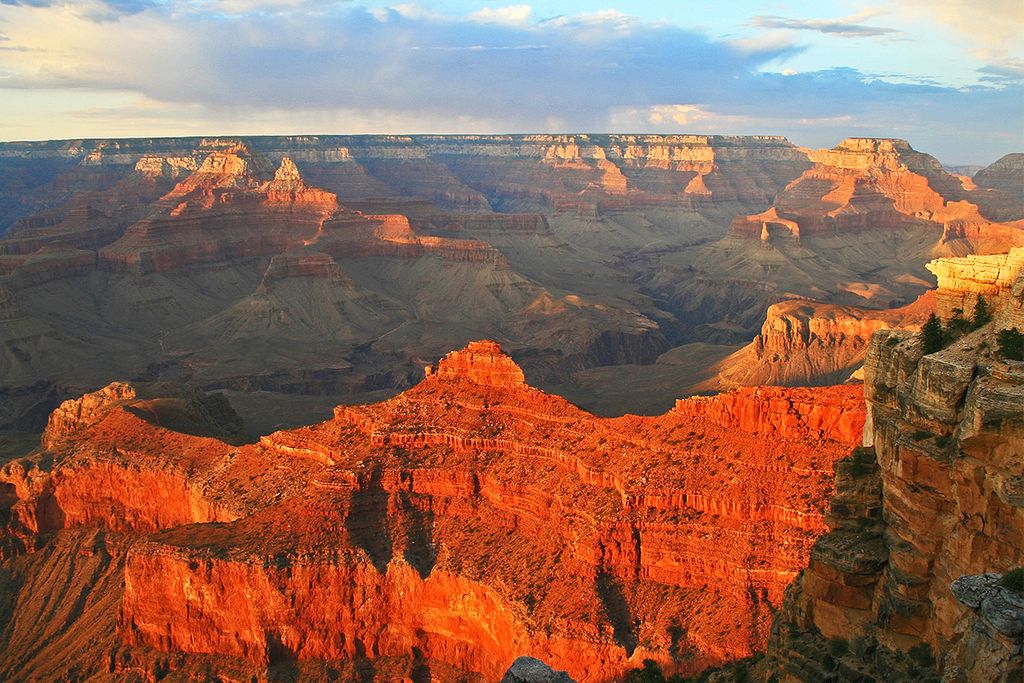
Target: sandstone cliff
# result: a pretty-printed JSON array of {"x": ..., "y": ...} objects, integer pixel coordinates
[
  {"x": 809, "y": 343},
  {"x": 466, "y": 522},
  {"x": 865, "y": 183},
  {"x": 928, "y": 506}
]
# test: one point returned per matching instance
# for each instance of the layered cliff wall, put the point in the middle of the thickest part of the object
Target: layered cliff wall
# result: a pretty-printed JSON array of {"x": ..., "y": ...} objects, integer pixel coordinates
[
  {"x": 466, "y": 522},
  {"x": 930, "y": 506},
  {"x": 806, "y": 342},
  {"x": 866, "y": 183}
]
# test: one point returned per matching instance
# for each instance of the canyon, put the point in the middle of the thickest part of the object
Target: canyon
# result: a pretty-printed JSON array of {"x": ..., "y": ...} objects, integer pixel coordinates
[
  {"x": 588, "y": 257},
  {"x": 465, "y": 522},
  {"x": 928, "y": 514},
  {"x": 687, "y": 422}
]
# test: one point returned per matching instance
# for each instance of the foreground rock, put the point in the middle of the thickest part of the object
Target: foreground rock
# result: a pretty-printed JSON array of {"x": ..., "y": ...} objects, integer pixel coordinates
[
  {"x": 927, "y": 515},
  {"x": 530, "y": 670},
  {"x": 461, "y": 524}
]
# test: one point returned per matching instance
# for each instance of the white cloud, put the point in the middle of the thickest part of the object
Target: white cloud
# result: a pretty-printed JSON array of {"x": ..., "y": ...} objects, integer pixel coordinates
[
  {"x": 986, "y": 23},
  {"x": 845, "y": 27},
  {"x": 511, "y": 15}
]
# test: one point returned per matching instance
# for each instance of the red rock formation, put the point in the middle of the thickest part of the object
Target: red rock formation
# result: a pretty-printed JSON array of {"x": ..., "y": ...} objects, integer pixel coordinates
[
  {"x": 864, "y": 184},
  {"x": 805, "y": 342},
  {"x": 83, "y": 412},
  {"x": 468, "y": 521},
  {"x": 224, "y": 210},
  {"x": 933, "y": 504}
]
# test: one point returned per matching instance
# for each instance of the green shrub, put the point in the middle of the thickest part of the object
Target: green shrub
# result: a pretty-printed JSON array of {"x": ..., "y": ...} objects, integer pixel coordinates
[
  {"x": 922, "y": 655},
  {"x": 838, "y": 647},
  {"x": 982, "y": 315},
  {"x": 933, "y": 337},
  {"x": 958, "y": 324},
  {"x": 1014, "y": 580},
  {"x": 650, "y": 673},
  {"x": 1011, "y": 344}
]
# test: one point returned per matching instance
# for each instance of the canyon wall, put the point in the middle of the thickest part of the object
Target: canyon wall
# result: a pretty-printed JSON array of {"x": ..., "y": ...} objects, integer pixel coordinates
[
  {"x": 927, "y": 515},
  {"x": 468, "y": 521},
  {"x": 805, "y": 342}
]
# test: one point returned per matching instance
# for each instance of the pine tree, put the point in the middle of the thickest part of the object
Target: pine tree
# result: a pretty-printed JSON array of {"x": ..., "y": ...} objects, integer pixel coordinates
[
  {"x": 1011, "y": 344},
  {"x": 982, "y": 315},
  {"x": 933, "y": 337},
  {"x": 957, "y": 323}
]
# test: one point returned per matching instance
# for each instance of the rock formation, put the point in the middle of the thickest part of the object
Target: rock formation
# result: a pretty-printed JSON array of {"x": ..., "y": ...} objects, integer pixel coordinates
[
  {"x": 998, "y": 188},
  {"x": 866, "y": 183},
  {"x": 577, "y": 251},
  {"x": 464, "y": 523},
  {"x": 932, "y": 502},
  {"x": 804, "y": 342},
  {"x": 831, "y": 236},
  {"x": 530, "y": 670}
]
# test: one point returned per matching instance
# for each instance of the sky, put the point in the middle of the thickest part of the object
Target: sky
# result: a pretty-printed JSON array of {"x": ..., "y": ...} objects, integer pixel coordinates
[{"x": 947, "y": 75}]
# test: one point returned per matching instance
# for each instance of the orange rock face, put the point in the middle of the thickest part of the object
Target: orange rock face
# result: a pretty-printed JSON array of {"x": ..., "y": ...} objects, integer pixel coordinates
[
  {"x": 466, "y": 522},
  {"x": 864, "y": 184},
  {"x": 805, "y": 342},
  {"x": 934, "y": 502}
]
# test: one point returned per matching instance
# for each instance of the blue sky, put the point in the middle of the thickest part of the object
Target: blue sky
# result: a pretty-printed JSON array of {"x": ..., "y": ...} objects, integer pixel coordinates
[{"x": 946, "y": 75}]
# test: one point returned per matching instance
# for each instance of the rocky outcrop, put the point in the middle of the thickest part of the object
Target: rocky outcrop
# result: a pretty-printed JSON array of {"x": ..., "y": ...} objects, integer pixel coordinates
[
  {"x": 530, "y": 670},
  {"x": 805, "y": 342},
  {"x": 481, "y": 362},
  {"x": 76, "y": 414},
  {"x": 991, "y": 637},
  {"x": 998, "y": 188},
  {"x": 935, "y": 497},
  {"x": 228, "y": 208},
  {"x": 998, "y": 278},
  {"x": 867, "y": 183},
  {"x": 463, "y": 523}
]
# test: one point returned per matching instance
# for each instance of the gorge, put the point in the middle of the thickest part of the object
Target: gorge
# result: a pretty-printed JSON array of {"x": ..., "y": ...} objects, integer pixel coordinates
[{"x": 411, "y": 407}]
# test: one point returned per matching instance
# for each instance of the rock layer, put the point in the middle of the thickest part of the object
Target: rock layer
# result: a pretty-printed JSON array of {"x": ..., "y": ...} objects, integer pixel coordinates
[
  {"x": 805, "y": 342},
  {"x": 934, "y": 499},
  {"x": 466, "y": 522}
]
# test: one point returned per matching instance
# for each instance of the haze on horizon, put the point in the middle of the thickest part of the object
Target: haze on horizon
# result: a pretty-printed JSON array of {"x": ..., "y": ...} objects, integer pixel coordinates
[{"x": 948, "y": 76}]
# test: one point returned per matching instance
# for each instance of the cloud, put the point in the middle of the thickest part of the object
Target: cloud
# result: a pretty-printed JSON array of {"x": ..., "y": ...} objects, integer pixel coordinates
[
  {"x": 511, "y": 15},
  {"x": 294, "y": 66},
  {"x": 846, "y": 27},
  {"x": 111, "y": 6},
  {"x": 986, "y": 23},
  {"x": 1004, "y": 70}
]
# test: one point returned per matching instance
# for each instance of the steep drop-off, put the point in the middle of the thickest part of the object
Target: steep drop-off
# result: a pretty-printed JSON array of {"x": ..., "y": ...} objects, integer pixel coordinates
[
  {"x": 461, "y": 524},
  {"x": 927, "y": 516}
]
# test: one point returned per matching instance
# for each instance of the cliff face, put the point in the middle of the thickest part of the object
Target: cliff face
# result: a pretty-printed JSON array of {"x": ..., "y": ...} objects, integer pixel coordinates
[
  {"x": 995, "y": 277},
  {"x": 466, "y": 522},
  {"x": 933, "y": 502},
  {"x": 828, "y": 237},
  {"x": 998, "y": 188},
  {"x": 577, "y": 251},
  {"x": 810, "y": 343},
  {"x": 465, "y": 173},
  {"x": 863, "y": 184}
]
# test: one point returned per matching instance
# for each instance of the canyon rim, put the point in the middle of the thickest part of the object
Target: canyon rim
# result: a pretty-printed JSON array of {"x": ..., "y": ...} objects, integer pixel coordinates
[{"x": 728, "y": 389}]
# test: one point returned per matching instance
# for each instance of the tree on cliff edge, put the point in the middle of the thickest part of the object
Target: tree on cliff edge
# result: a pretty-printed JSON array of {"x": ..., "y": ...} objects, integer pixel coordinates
[
  {"x": 933, "y": 337},
  {"x": 982, "y": 315},
  {"x": 1011, "y": 344}
]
